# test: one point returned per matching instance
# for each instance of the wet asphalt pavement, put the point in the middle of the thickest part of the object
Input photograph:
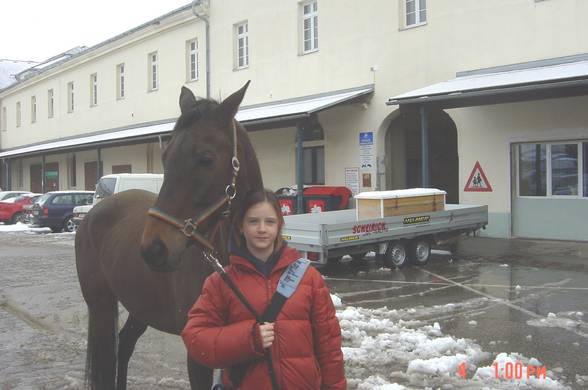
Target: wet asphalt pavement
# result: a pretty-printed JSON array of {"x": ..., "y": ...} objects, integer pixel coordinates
[{"x": 509, "y": 287}]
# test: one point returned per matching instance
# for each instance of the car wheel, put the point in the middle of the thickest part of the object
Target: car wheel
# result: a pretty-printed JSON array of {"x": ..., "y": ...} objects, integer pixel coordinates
[
  {"x": 69, "y": 225},
  {"x": 396, "y": 255},
  {"x": 18, "y": 217},
  {"x": 420, "y": 251}
]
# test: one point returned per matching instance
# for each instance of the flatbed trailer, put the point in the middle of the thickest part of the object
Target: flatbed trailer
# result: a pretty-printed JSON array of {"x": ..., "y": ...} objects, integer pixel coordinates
[{"x": 330, "y": 235}]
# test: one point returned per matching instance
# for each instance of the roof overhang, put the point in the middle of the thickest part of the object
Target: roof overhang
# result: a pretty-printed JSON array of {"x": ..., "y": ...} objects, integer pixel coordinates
[
  {"x": 545, "y": 80},
  {"x": 269, "y": 115}
]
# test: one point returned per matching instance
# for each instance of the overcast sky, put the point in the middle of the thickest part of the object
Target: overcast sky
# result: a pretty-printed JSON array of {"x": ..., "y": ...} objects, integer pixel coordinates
[{"x": 39, "y": 29}]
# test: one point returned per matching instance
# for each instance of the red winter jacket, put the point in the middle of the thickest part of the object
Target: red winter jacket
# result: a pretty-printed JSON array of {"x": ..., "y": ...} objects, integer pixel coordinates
[{"x": 306, "y": 351}]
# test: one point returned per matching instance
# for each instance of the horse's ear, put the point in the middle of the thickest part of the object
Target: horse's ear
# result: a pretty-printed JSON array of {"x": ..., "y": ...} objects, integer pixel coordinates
[
  {"x": 229, "y": 107},
  {"x": 187, "y": 100}
]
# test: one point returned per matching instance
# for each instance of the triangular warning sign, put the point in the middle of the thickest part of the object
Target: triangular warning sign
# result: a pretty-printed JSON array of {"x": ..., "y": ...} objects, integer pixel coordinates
[{"x": 478, "y": 181}]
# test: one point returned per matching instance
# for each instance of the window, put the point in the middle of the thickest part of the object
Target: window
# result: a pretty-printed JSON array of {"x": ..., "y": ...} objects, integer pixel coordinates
[
  {"x": 585, "y": 168},
  {"x": 63, "y": 199},
  {"x": 50, "y": 103},
  {"x": 309, "y": 26},
  {"x": 120, "y": 84},
  {"x": 93, "y": 89},
  {"x": 18, "y": 117},
  {"x": 33, "y": 109},
  {"x": 4, "y": 121},
  {"x": 192, "y": 60},
  {"x": 153, "y": 72},
  {"x": 313, "y": 165},
  {"x": 70, "y": 97},
  {"x": 124, "y": 168},
  {"x": 564, "y": 169},
  {"x": 416, "y": 12},
  {"x": 242, "y": 45},
  {"x": 553, "y": 169},
  {"x": 532, "y": 170}
]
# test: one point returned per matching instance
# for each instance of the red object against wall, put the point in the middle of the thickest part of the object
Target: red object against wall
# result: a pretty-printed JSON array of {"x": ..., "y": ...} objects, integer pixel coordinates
[
  {"x": 287, "y": 206},
  {"x": 343, "y": 192}
]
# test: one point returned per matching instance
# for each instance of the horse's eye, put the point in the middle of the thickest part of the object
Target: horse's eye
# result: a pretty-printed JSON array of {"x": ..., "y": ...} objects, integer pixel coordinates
[{"x": 205, "y": 161}]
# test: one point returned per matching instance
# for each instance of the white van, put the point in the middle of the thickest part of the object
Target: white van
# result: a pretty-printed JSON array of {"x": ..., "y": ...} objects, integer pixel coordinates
[{"x": 111, "y": 184}]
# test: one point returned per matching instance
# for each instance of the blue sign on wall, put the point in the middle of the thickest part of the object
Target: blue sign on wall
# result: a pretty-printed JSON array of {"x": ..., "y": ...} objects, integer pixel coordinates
[{"x": 366, "y": 138}]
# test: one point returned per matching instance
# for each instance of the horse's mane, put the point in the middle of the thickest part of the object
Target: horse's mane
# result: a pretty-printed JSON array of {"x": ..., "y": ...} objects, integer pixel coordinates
[{"x": 202, "y": 109}]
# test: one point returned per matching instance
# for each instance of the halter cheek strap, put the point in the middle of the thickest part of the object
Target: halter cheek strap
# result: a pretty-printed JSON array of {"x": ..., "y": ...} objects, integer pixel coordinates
[{"x": 189, "y": 227}]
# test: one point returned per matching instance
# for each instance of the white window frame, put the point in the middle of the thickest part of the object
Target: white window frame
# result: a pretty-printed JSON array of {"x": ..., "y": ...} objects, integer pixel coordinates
[
  {"x": 418, "y": 21},
  {"x": 33, "y": 109},
  {"x": 70, "y": 97},
  {"x": 120, "y": 81},
  {"x": 50, "y": 103},
  {"x": 312, "y": 17},
  {"x": 93, "y": 89},
  {"x": 4, "y": 122},
  {"x": 192, "y": 60},
  {"x": 153, "y": 58},
  {"x": 18, "y": 114},
  {"x": 549, "y": 174},
  {"x": 241, "y": 45}
]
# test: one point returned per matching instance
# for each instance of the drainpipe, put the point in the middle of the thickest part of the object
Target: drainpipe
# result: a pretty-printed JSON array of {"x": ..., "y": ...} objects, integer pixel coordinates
[
  {"x": 424, "y": 147},
  {"x": 43, "y": 181},
  {"x": 196, "y": 3},
  {"x": 98, "y": 164},
  {"x": 299, "y": 184}
]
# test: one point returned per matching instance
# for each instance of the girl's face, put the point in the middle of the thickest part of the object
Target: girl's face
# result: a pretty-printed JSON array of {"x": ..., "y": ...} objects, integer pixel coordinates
[{"x": 260, "y": 227}]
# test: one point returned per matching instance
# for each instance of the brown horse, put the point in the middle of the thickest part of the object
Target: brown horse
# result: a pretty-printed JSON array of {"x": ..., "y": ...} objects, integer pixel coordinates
[{"x": 124, "y": 254}]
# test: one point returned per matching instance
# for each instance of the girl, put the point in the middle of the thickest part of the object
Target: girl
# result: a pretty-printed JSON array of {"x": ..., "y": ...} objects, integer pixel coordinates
[{"x": 305, "y": 339}]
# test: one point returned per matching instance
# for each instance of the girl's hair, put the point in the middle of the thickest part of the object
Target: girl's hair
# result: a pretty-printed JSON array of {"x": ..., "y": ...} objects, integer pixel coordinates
[{"x": 251, "y": 199}]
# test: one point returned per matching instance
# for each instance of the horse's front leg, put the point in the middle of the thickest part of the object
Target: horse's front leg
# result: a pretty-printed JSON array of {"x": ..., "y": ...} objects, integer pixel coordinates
[
  {"x": 127, "y": 340},
  {"x": 200, "y": 376}
]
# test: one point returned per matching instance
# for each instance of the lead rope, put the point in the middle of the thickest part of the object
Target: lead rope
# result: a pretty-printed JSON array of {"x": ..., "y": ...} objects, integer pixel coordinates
[{"x": 213, "y": 261}]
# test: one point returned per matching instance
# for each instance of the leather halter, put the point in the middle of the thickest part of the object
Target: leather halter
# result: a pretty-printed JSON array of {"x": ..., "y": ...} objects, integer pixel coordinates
[{"x": 189, "y": 227}]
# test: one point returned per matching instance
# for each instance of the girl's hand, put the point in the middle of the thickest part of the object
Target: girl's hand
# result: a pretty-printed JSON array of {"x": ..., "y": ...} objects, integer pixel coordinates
[{"x": 266, "y": 331}]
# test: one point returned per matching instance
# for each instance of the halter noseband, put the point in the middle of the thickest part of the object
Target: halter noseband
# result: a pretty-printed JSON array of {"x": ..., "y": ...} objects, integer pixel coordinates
[{"x": 189, "y": 227}]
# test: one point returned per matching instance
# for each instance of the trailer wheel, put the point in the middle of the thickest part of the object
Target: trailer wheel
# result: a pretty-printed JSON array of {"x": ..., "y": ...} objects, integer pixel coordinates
[
  {"x": 396, "y": 255},
  {"x": 420, "y": 251}
]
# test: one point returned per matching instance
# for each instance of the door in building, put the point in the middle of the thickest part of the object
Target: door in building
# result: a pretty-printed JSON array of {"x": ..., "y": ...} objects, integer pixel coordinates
[
  {"x": 52, "y": 176},
  {"x": 403, "y": 153},
  {"x": 122, "y": 169},
  {"x": 36, "y": 183},
  {"x": 90, "y": 175}
]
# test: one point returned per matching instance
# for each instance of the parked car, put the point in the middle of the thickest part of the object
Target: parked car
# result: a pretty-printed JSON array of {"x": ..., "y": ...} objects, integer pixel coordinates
[
  {"x": 111, "y": 184},
  {"x": 55, "y": 209},
  {"x": 11, "y": 210},
  {"x": 4, "y": 195}
]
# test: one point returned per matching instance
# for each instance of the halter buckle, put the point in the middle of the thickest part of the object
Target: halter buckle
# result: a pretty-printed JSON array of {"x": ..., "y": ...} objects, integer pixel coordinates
[
  {"x": 231, "y": 191},
  {"x": 189, "y": 227},
  {"x": 236, "y": 164}
]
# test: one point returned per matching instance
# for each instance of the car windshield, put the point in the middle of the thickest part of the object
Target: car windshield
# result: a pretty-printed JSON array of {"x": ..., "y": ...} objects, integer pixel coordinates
[
  {"x": 10, "y": 200},
  {"x": 105, "y": 187}
]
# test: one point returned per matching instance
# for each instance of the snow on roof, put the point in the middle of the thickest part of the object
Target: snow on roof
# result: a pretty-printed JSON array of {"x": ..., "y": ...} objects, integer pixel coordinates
[
  {"x": 304, "y": 105},
  {"x": 510, "y": 78},
  {"x": 9, "y": 68},
  {"x": 90, "y": 139},
  {"x": 399, "y": 193}
]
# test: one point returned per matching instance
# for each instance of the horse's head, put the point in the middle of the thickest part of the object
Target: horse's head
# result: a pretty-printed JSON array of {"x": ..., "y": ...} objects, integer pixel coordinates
[{"x": 208, "y": 164}]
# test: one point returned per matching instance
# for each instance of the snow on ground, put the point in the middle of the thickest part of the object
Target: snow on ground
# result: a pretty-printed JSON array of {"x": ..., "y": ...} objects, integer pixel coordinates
[
  {"x": 388, "y": 349},
  {"x": 21, "y": 227},
  {"x": 568, "y": 319}
]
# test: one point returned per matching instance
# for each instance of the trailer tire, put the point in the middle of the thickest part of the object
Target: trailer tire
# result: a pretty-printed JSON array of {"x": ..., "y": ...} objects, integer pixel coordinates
[
  {"x": 396, "y": 255},
  {"x": 420, "y": 251}
]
